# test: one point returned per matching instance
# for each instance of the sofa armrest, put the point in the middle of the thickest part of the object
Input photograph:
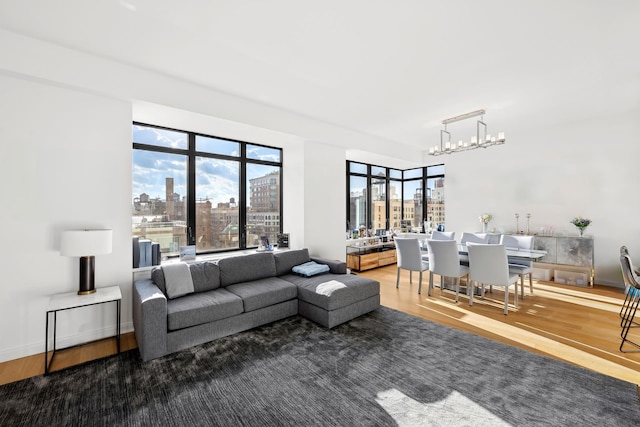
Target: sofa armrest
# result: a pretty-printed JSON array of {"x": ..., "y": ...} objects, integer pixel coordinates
[
  {"x": 335, "y": 266},
  {"x": 149, "y": 319}
]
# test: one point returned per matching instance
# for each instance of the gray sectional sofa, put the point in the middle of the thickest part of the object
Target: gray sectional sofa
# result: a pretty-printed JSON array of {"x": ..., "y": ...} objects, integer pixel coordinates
[{"x": 242, "y": 292}]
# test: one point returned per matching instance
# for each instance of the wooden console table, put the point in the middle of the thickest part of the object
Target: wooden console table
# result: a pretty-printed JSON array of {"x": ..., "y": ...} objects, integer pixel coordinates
[{"x": 365, "y": 256}]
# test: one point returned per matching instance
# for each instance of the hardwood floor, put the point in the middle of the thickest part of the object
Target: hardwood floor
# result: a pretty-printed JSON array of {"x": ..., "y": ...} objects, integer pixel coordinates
[
  {"x": 31, "y": 366},
  {"x": 573, "y": 324}
]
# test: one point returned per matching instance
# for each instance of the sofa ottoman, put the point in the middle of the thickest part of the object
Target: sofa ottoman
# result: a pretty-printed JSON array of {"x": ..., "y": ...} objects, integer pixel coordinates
[{"x": 332, "y": 299}]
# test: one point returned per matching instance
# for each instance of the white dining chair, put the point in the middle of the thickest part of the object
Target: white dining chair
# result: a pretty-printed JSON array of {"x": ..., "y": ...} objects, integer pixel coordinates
[
  {"x": 474, "y": 237},
  {"x": 410, "y": 258},
  {"x": 444, "y": 261},
  {"x": 467, "y": 237},
  {"x": 443, "y": 235},
  {"x": 519, "y": 266},
  {"x": 488, "y": 265}
]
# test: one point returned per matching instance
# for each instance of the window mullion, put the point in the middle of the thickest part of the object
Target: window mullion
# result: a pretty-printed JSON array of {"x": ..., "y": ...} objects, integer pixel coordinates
[
  {"x": 191, "y": 191},
  {"x": 243, "y": 202}
]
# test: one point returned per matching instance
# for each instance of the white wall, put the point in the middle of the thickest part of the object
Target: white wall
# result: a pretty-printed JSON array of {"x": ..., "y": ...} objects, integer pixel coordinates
[
  {"x": 64, "y": 164},
  {"x": 555, "y": 172},
  {"x": 325, "y": 198}
]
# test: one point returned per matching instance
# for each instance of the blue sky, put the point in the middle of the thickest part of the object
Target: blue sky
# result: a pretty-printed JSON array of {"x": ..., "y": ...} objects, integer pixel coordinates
[{"x": 217, "y": 179}]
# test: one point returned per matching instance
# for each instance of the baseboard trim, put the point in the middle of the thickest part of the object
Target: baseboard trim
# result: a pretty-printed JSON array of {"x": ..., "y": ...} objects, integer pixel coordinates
[{"x": 63, "y": 342}]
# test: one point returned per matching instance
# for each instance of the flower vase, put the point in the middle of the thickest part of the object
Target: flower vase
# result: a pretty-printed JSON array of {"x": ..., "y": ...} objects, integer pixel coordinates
[
  {"x": 581, "y": 230},
  {"x": 484, "y": 227}
]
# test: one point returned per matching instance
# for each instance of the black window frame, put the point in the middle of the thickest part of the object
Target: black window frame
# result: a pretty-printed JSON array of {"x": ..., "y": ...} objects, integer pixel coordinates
[
  {"x": 428, "y": 172},
  {"x": 192, "y": 154}
]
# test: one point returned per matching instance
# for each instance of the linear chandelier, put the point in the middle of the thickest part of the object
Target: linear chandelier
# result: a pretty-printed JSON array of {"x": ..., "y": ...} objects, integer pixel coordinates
[{"x": 477, "y": 141}]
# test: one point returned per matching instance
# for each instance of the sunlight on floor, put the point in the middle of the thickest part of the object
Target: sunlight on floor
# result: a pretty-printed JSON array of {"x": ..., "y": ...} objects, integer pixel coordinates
[
  {"x": 531, "y": 339},
  {"x": 599, "y": 302},
  {"x": 455, "y": 409},
  {"x": 612, "y": 354}
]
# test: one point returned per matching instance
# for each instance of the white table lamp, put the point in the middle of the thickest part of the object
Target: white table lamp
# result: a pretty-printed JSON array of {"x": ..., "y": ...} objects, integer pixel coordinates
[{"x": 86, "y": 244}]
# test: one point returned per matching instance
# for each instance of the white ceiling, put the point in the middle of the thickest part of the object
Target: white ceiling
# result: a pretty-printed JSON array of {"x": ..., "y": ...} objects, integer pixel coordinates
[{"x": 392, "y": 69}]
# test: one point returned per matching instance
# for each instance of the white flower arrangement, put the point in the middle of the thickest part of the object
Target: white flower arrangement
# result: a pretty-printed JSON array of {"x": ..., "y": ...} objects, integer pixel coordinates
[{"x": 485, "y": 218}]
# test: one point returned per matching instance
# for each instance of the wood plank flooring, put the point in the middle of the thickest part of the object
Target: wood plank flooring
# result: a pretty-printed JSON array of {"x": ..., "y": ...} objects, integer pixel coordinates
[
  {"x": 573, "y": 324},
  {"x": 570, "y": 323},
  {"x": 31, "y": 366}
]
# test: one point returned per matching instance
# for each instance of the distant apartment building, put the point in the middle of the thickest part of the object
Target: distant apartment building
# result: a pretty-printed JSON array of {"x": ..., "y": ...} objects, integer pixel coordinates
[
  {"x": 402, "y": 213},
  {"x": 263, "y": 216},
  {"x": 164, "y": 221}
]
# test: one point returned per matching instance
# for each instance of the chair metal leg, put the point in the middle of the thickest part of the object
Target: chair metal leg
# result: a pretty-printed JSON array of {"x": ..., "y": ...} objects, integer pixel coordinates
[
  {"x": 430, "y": 283},
  {"x": 628, "y": 292},
  {"x": 410, "y": 276},
  {"x": 521, "y": 286},
  {"x": 530, "y": 283},
  {"x": 471, "y": 291},
  {"x": 628, "y": 322},
  {"x": 624, "y": 304},
  {"x": 625, "y": 311},
  {"x": 398, "y": 278},
  {"x": 420, "y": 285},
  {"x": 457, "y": 288},
  {"x": 627, "y": 308}
]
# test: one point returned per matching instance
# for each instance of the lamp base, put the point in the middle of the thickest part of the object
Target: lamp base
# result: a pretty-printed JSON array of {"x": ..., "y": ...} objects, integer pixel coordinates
[{"x": 87, "y": 268}]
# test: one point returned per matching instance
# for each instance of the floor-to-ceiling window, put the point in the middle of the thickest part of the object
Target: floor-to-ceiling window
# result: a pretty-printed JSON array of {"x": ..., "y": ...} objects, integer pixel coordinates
[
  {"x": 378, "y": 198},
  {"x": 357, "y": 192},
  {"x": 434, "y": 197},
  {"x": 193, "y": 189},
  {"x": 412, "y": 197},
  {"x": 395, "y": 198},
  {"x": 385, "y": 198}
]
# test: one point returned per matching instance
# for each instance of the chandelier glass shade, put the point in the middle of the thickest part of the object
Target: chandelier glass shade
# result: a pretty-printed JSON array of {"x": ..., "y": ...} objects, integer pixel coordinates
[{"x": 481, "y": 139}]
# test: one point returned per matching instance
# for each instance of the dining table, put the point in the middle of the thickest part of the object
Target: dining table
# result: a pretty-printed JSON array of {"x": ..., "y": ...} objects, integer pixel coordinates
[{"x": 512, "y": 254}]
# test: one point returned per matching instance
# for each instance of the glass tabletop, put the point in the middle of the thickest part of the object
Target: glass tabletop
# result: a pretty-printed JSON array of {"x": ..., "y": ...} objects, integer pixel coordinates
[{"x": 528, "y": 254}]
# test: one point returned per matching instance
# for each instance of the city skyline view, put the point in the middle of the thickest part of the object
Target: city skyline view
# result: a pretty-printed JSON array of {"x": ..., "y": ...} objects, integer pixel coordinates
[
  {"x": 222, "y": 218},
  {"x": 216, "y": 179}
]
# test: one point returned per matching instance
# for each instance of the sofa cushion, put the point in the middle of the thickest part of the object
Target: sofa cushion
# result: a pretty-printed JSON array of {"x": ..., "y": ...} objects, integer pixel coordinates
[
  {"x": 246, "y": 268},
  {"x": 357, "y": 288},
  {"x": 204, "y": 307},
  {"x": 205, "y": 276},
  {"x": 264, "y": 292},
  {"x": 286, "y": 260},
  {"x": 310, "y": 268},
  {"x": 177, "y": 279}
]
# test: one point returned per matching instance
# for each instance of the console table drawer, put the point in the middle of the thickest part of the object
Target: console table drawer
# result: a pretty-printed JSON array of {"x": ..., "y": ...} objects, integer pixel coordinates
[
  {"x": 387, "y": 257},
  {"x": 374, "y": 259}
]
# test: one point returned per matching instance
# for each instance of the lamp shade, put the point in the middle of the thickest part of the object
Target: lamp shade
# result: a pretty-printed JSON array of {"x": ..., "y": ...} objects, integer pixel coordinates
[{"x": 85, "y": 242}]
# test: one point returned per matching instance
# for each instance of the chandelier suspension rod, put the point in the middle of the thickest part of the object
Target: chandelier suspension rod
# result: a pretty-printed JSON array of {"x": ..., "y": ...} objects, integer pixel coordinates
[{"x": 463, "y": 117}]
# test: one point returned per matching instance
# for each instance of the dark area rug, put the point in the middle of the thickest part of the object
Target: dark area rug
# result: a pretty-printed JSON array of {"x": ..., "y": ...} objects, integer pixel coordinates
[{"x": 383, "y": 369}]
